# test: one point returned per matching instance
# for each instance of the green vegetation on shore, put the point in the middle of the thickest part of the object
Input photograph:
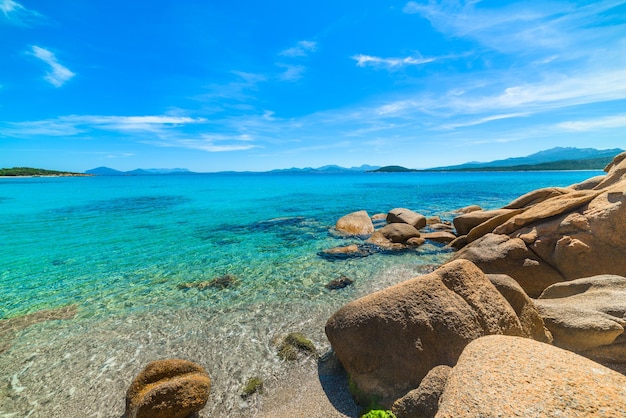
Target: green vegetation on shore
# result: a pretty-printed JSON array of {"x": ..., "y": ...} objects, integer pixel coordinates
[{"x": 28, "y": 171}]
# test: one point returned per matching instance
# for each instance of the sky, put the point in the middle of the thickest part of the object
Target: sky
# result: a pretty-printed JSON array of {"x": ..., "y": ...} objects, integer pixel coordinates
[{"x": 246, "y": 85}]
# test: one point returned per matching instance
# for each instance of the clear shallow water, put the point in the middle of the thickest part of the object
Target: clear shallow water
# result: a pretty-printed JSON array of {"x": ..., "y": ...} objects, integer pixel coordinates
[{"x": 119, "y": 247}]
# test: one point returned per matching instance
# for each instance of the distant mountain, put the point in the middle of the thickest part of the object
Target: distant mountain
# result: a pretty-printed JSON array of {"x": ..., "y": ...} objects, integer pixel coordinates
[
  {"x": 393, "y": 169},
  {"x": 327, "y": 169},
  {"x": 106, "y": 171},
  {"x": 553, "y": 159}
]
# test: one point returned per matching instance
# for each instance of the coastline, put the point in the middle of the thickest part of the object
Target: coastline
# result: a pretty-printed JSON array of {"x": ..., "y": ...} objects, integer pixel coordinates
[{"x": 135, "y": 312}]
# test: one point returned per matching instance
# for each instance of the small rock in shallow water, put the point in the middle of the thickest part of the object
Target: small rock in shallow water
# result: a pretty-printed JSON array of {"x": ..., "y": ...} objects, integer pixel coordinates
[
  {"x": 295, "y": 343},
  {"x": 252, "y": 386},
  {"x": 222, "y": 282},
  {"x": 171, "y": 388},
  {"x": 339, "y": 283}
]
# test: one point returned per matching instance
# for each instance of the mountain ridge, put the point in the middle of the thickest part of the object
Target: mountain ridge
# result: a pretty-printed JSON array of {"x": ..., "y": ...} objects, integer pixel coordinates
[
  {"x": 551, "y": 155},
  {"x": 558, "y": 158}
]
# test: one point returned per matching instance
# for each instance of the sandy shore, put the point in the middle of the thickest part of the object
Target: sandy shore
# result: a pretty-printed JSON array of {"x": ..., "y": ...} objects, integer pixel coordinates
[{"x": 311, "y": 392}]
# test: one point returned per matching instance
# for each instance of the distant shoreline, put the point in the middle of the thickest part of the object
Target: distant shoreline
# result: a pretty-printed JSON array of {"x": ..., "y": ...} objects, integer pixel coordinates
[{"x": 46, "y": 175}]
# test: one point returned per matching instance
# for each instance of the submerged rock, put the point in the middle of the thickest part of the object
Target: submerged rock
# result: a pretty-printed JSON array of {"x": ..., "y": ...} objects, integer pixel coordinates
[
  {"x": 339, "y": 283},
  {"x": 294, "y": 344},
  {"x": 252, "y": 386},
  {"x": 10, "y": 327},
  {"x": 172, "y": 388},
  {"x": 222, "y": 282},
  {"x": 349, "y": 251}
]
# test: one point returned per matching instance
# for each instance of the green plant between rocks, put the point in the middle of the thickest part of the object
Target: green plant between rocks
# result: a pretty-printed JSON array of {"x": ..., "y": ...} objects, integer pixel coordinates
[
  {"x": 378, "y": 413},
  {"x": 370, "y": 403}
]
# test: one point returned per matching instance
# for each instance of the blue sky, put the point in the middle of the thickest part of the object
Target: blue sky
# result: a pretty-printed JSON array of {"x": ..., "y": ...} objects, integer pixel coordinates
[{"x": 248, "y": 85}]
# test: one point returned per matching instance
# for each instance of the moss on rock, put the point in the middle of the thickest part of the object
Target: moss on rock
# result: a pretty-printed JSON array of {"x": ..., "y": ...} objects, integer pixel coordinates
[
  {"x": 295, "y": 343},
  {"x": 252, "y": 386}
]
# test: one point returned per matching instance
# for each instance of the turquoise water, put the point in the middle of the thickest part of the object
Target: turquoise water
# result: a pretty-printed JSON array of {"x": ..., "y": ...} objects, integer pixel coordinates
[{"x": 120, "y": 247}]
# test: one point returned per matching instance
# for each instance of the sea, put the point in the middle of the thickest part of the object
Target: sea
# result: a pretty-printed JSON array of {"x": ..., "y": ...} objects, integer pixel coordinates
[{"x": 133, "y": 259}]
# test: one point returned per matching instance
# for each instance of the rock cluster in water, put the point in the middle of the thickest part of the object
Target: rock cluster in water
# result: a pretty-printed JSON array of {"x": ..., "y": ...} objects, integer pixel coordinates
[{"x": 468, "y": 339}]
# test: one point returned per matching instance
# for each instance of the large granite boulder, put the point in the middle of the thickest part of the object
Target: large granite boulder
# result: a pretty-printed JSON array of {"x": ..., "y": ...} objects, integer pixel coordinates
[
  {"x": 573, "y": 233},
  {"x": 536, "y": 196},
  {"x": 171, "y": 388},
  {"x": 501, "y": 376},
  {"x": 466, "y": 222},
  {"x": 588, "y": 316},
  {"x": 423, "y": 401},
  {"x": 355, "y": 224},
  {"x": 524, "y": 307},
  {"x": 407, "y": 216},
  {"x": 394, "y": 236},
  {"x": 501, "y": 254},
  {"x": 389, "y": 340},
  {"x": 443, "y": 237}
]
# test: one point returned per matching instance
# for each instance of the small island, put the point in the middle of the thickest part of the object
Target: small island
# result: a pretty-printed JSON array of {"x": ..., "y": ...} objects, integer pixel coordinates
[{"x": 37, "y": 172}]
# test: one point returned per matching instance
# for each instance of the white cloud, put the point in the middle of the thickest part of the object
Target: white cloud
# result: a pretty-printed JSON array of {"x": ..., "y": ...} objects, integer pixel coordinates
[
  {"x": 609, "y": 122},
  {"x": 79, "y": 124},
  {"x": 391, "y": 63},
  {"x": 486, "y": 119},
  {"x": 58, "y": 74},
  {"x": 302, "y": 49},
  {"x": 156, "y": 130},
  {"x": 17, "y": 14},
  {"x": 526, "y": 27},
  {"x": 217, "y": 143},
  {"x": 292, "y": 72}
]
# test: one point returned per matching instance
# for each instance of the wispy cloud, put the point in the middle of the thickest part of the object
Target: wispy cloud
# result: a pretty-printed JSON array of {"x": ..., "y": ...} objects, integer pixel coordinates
[
  {"x": 79, "y": 124},
  {"x": 292, "y": 72},
  {"x": 58, "y": 74},
  {"x": 609, "y": 122},
  {"x": 17, "y": 14},
  {"x": 156, "y": 130},
  {"x": 217, "y": 143},
  {"x": 389, "y": 63},
  {"x": 302, "y": 49},
  {"x": 523, "y": 26}
]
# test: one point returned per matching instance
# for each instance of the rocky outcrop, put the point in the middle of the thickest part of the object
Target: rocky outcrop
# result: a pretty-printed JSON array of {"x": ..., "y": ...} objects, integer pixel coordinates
[
  {"x": 501, "y": 254},
  {"x": 588, "y": 316},
  {"x": 559, "y": 234},
  {"x": 407, "y": 216},
  {"x": 393, "y": 236},
  {"x": 172, "y": 388},
  {"x": 423, "y": 401},
  {"x": 500, "y": 376},
  {"x": 389, "y": 340},
  {"x": 465, "y": 223},
  {"x": 524, "y": 307},
  {"x": 349, "y": 251},
  {"x": 443, "y": 237},
  {"x": 355, "y": 224}
]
